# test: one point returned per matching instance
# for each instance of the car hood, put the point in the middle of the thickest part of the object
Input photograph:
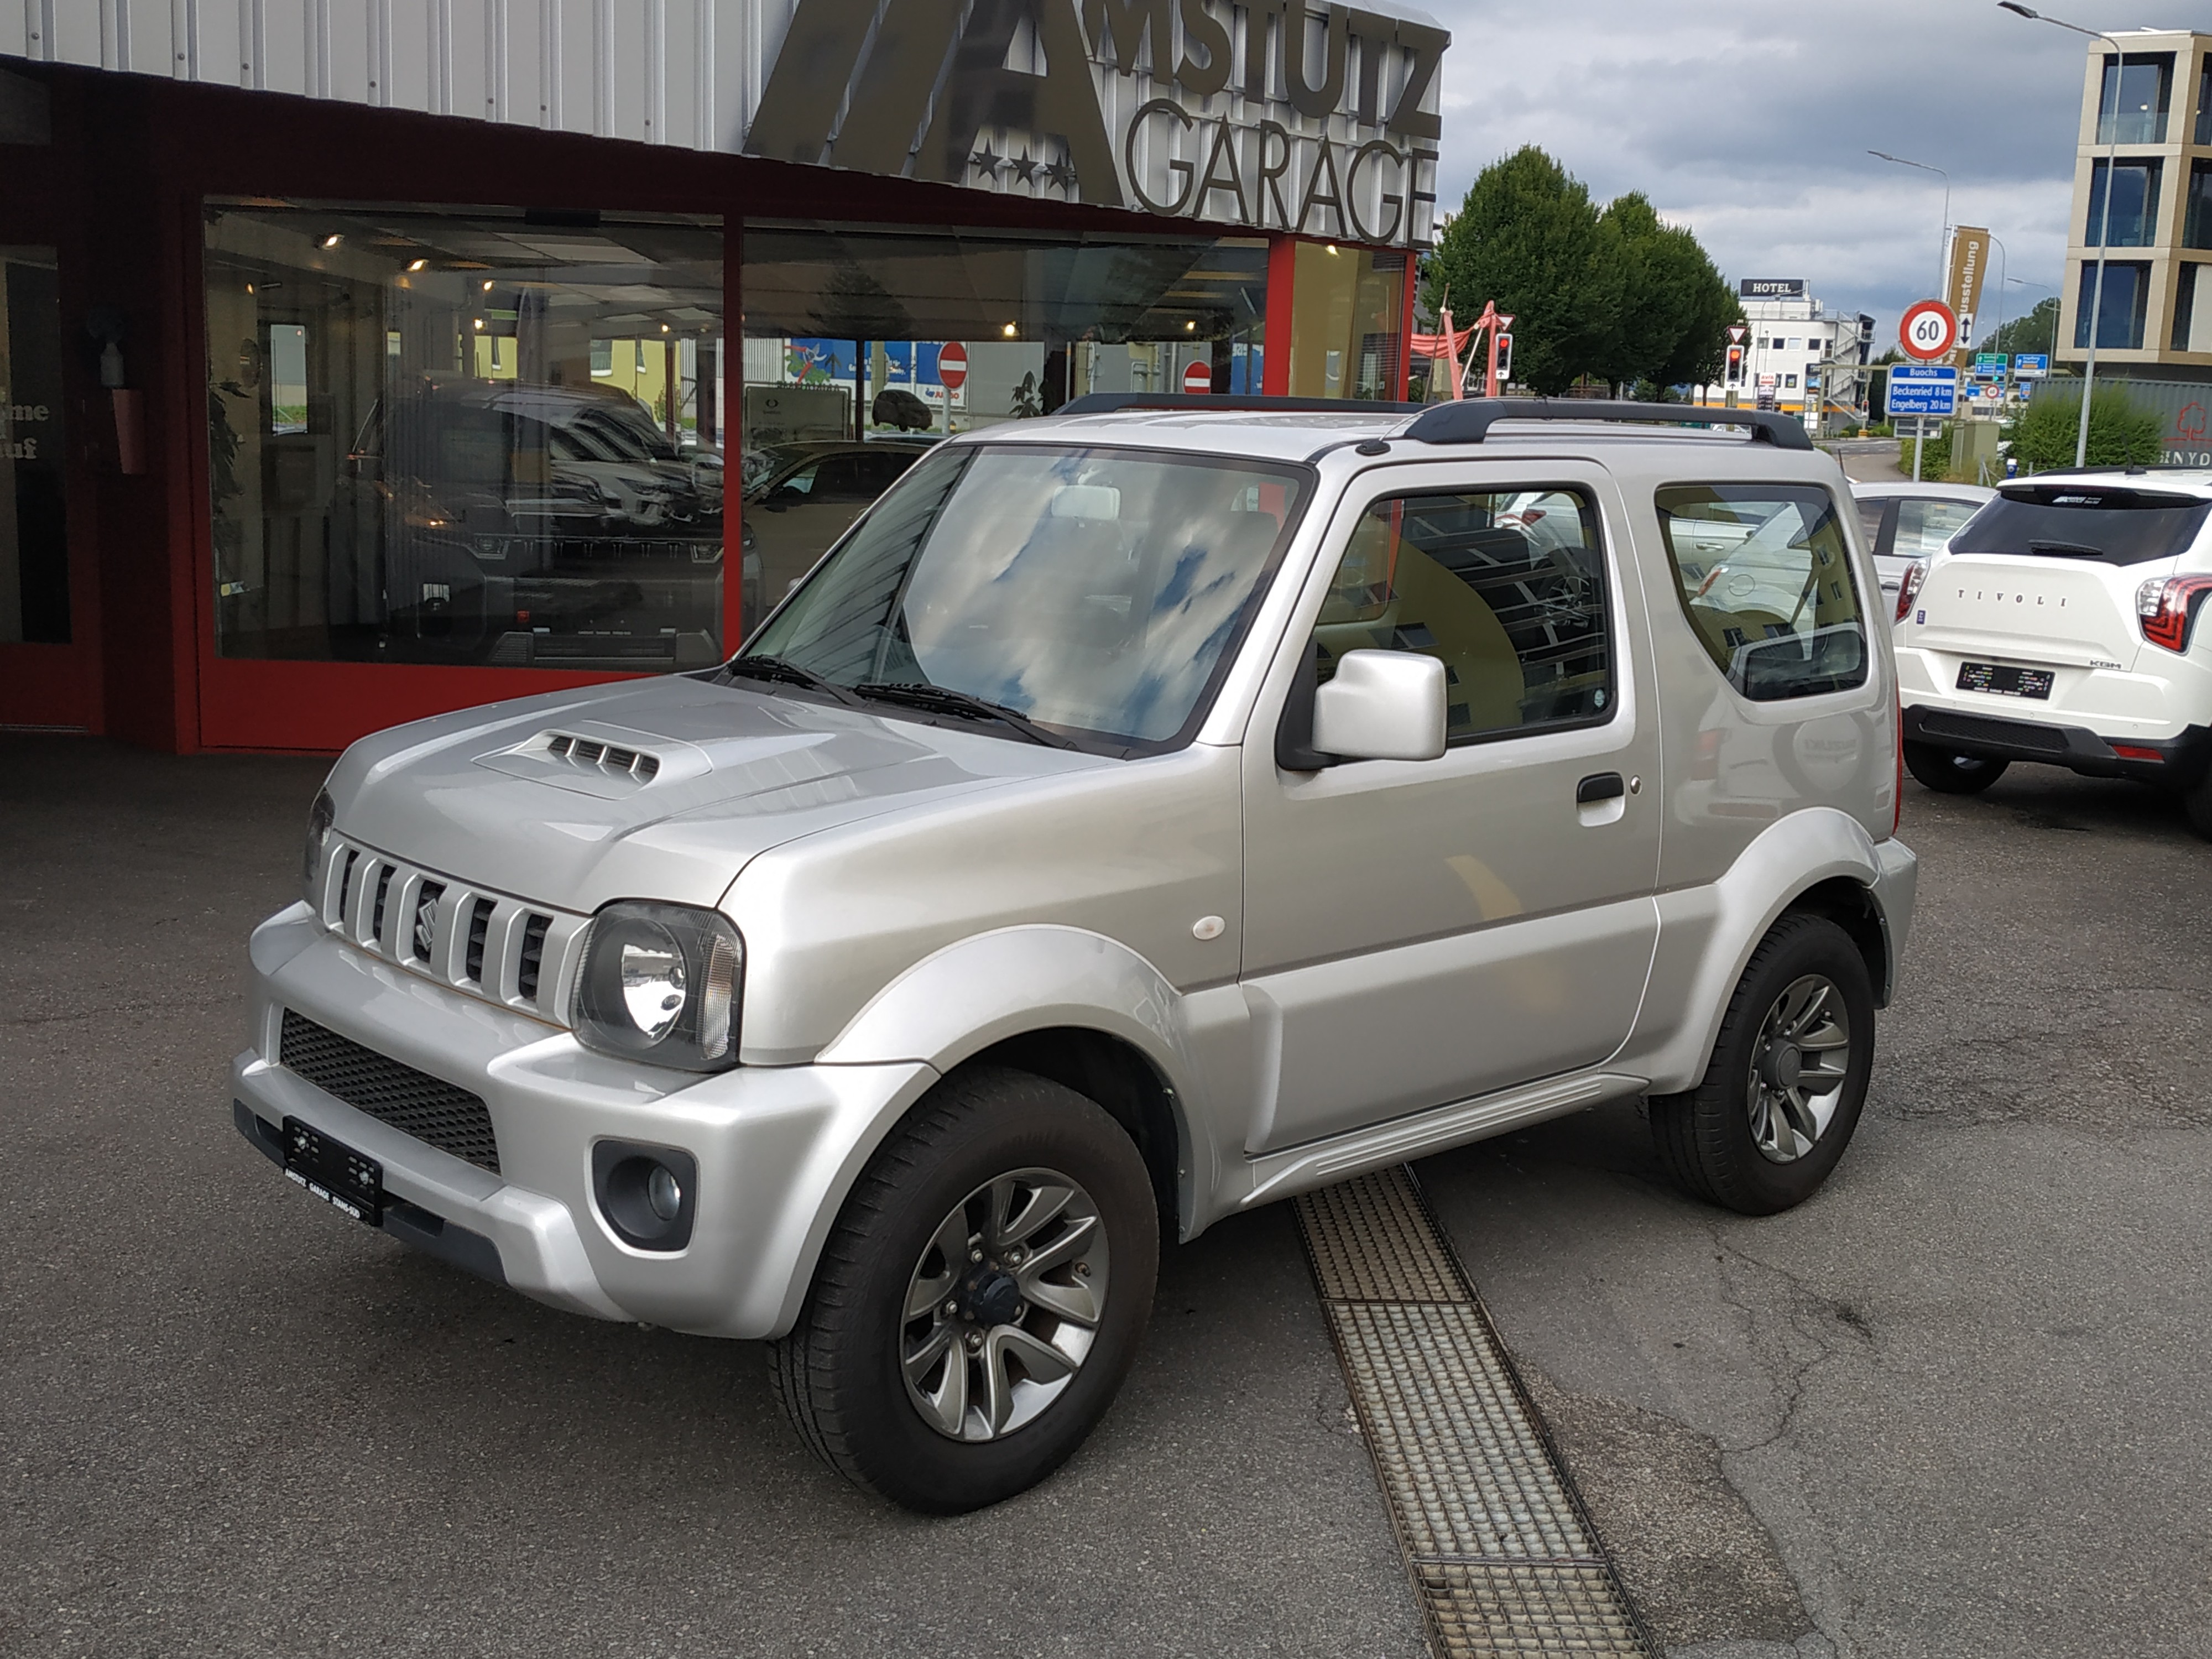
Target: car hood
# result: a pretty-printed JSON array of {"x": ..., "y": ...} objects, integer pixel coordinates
[{"x": 491, "y": 797}]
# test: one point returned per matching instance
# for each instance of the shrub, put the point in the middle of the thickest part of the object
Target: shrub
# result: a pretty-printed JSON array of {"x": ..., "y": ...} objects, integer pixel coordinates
[{"x": 2121, "y": 432}]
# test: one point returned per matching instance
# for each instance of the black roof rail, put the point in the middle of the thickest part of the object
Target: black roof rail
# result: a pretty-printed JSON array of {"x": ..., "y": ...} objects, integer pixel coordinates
[
  {"x": 1207, "y": 403},
  {"x": 1469, "y": 421}
]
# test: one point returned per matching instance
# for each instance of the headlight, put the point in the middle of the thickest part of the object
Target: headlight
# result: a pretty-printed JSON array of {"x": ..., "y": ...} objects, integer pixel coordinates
[
  {"x": 661, "y": 983},
  {"x": 320, "y": 817}
]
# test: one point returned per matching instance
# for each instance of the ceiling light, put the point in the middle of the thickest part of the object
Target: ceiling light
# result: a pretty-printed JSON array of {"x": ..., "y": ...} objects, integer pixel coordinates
[
  {"x": 1332, "y": 248},
  {"x": 1009, "y": 331},
  {"x": 418, "y": 264},
  {"x": 249, "y": 288},
  {"x": 487, "y": 287},
  {"x": 479, "y": 322},
  {"x": 664, "y": 328},
  {"x": 332, "y": 240},
  {"x": 1191, "y": 327}
]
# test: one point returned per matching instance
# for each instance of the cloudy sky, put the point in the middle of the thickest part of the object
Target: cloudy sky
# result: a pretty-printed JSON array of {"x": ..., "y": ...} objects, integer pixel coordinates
[{"x": 1750, "y": 124}]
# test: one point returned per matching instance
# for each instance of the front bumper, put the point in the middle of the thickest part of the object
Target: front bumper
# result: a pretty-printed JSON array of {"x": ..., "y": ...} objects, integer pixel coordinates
[
  {"x": 2180, "y": 760},
  {"x": 777, "y": 1147}
]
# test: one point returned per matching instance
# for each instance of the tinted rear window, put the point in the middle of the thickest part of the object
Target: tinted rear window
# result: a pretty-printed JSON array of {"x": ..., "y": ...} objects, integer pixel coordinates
[{"x": 2080, "y": 521}]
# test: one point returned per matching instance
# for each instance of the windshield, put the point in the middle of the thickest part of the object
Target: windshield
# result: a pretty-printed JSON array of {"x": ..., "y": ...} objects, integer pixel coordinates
[
  {"x": 1096, "y": 591},
  {"x": 2118, "y": 524}
]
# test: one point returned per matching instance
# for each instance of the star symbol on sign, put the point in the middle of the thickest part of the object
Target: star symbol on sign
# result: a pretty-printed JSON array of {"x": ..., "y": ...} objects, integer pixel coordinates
[
  {"x": 986, "y": 158},
  {"x": 1026, "y": 169},
  {"x": 1061, "y": 173}
]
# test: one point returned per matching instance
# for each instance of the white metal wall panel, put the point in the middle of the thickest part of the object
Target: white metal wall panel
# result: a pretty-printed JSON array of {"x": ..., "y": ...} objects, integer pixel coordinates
[{"x": 684, "y": 72}]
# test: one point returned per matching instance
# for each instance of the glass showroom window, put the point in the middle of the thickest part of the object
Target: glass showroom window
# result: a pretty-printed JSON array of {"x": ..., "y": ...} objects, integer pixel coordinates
[
  {"x": 846, "y": 325},
  {"x": 1345, "y": 323},
  {"x": 2134, "y": 222},
  {"x": 465, "y": 438},
  {"x": 34, "y": 597}
]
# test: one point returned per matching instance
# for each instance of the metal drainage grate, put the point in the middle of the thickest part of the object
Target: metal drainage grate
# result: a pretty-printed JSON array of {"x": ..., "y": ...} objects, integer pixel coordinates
[{"x": 1500, "y": 1549}]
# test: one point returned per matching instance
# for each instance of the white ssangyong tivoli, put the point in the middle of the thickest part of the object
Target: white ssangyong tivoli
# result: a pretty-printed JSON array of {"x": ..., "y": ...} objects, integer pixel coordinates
[{"x": 2061, "y": 625}]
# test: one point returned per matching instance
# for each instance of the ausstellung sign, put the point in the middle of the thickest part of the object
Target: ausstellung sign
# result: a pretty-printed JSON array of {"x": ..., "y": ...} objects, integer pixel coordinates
[{"x": 1169, "y": 106}]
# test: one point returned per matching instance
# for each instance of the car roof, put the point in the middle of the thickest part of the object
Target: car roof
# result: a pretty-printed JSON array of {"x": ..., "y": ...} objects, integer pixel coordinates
[{"x": 1301, "y": 435}]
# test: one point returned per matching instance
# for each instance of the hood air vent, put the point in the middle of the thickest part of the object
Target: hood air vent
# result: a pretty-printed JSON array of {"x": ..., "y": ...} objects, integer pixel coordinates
[{"x": 607, "y": 756}]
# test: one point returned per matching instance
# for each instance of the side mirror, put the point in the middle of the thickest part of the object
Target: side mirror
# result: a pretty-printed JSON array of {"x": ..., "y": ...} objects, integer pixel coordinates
[{"x": 1382, "y": 705}]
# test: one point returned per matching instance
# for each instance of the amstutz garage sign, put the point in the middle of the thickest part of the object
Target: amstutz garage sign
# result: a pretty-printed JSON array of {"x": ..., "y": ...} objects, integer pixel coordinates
[{"x": 1278, "y": 116}]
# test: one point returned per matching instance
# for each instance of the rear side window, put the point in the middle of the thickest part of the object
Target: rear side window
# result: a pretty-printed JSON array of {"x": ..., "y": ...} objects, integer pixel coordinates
[
  {"x": 1923, "y": 525},
  {"x": 1765, "y": 583},
  {"x": 2082, "y": 521},
  {"x": 1505, "y": 588}
]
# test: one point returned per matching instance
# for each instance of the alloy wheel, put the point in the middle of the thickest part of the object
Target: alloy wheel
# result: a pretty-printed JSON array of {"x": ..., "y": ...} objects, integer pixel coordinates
[
  {"x": 1003, "y": 1305},
  {"x": 1798, "y": 1068}
]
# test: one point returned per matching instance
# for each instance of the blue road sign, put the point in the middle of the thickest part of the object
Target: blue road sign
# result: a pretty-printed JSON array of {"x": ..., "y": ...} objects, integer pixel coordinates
[
  {"x": 1924, "y": 389},
  {"x": 2028, "y": 364}
]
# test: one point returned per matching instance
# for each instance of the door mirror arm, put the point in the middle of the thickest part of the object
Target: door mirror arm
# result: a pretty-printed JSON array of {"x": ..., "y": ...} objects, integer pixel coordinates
[{"x": 1294, "y": 750}]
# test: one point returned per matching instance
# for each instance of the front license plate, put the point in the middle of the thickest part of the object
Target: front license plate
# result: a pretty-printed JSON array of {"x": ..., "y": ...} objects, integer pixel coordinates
[
  {"x": 334, "y": 1172},
  {"x": 1995, "y": 679}
]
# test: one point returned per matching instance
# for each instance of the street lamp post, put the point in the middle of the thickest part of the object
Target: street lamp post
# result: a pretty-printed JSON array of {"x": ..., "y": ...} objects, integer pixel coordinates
[
  {"x": 1942, "y": 236},
  {"x": 2104, "y": 220}
]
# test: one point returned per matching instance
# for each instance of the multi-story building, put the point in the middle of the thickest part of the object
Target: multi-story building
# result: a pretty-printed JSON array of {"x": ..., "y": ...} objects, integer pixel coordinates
[
  {"x": 2146, "y": 137},
  {"x": 1811, "y": 359}
]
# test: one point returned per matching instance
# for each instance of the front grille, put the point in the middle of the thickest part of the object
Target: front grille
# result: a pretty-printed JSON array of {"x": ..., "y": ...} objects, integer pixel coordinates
[
  {"x": 434, "y": 1111},
  {"x": 1977, "y": 728},
  {"x": 520, "y": 956}
]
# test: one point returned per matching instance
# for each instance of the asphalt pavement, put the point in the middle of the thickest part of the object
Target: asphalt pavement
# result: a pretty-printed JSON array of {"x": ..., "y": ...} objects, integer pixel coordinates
[{"x": 1953, "y": 1405}]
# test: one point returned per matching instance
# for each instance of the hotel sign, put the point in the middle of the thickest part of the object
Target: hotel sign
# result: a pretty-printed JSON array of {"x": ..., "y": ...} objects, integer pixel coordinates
[{"x": 1282, "y": 116}]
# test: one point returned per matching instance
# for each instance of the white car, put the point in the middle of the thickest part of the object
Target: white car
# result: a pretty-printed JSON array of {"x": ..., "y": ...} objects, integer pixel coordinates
[
  {"x": 1903, "y": 521},
  {"x": 2060, "y": 626}
]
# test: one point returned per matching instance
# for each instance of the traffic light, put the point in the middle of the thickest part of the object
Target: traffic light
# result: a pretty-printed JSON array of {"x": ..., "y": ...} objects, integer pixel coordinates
[
  {"x": 1735, "y": 365},
  {"x": 1504, "y": 358}
]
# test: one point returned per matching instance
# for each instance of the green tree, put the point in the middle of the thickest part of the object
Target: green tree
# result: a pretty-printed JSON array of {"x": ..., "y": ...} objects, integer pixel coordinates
[
  {"x": 1528, "y": 238},
  {"x": 2121, "y": 433},
  {"x": 2037, "y": 331},
  {"x": 1675, "y": 308}
]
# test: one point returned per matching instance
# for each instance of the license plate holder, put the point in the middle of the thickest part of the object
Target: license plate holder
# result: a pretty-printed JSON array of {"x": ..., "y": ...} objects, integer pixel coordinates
[
  {"x": 2002, "y": 680},
  {"x": 332, "y": 1171}
]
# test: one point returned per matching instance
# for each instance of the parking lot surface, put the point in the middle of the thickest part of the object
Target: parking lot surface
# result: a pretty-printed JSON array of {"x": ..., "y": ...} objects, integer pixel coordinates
[{"x": 1953, "y": 1406}]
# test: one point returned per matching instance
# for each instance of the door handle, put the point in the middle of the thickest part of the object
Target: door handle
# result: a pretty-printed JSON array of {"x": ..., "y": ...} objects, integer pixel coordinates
[{"x": 1599, "y": 785}]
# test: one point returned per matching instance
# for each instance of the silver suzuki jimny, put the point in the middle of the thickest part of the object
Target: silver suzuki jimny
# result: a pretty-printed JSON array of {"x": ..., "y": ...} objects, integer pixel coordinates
[{"x": 1140, "y": 815}]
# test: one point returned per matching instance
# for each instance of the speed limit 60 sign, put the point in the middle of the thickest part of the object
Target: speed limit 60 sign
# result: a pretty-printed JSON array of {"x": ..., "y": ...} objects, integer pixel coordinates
[{"x": 1929, "y": 329}]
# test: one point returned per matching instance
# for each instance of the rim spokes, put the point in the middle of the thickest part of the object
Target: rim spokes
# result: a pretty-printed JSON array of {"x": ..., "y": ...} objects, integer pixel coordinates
[
  {"x": 972, "y": 1373},
  {"x": 1799, "y": 1070}
]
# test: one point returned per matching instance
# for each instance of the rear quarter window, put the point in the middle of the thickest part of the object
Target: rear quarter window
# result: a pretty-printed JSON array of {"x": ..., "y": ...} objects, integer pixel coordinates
[{"x": 1764, "y": 581}]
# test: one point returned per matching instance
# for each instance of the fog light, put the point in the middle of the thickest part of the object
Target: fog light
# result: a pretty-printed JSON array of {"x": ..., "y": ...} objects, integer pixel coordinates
[
  {"x": 647, "y": 1194},
  {"x": 663, "y": 1195}
]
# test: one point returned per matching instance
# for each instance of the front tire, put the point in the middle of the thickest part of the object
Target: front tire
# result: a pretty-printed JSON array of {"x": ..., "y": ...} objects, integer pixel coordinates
[
  {"x": 1788, "y": 1076},
  {"x": 981, "y": 1298},
  {"x": 1948, "y": 772}
]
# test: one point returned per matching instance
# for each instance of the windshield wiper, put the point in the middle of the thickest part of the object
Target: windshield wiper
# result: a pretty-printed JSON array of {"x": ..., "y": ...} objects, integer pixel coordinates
[
  {"x": 943, "y": 700},
  {"x": 2066, "y": 550},
  {"x": 789, "y": 673}
]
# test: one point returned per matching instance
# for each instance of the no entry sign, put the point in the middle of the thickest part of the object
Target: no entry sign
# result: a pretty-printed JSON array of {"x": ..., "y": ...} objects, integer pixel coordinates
[
  {"x": 1929, "y": 329},
  {"x": 952, "y": 365},
  {"x": 1198, "y": 379}
]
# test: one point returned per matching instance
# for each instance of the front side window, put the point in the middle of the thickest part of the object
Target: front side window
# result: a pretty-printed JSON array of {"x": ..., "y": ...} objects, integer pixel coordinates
[
  {"x": 1506, "y": 588},
  {"x": 1766, "y": 584},
  {"x": 1099, "y": 592}
]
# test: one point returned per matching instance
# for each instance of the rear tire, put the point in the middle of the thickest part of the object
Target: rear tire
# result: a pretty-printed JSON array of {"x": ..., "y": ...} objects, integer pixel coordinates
[
  {"x": 1787, "y": 1079},
  {"x": 2197, "y": 803},
  {"x": 1950, "y": 772},
  {"x": 981, "y": 1298}
]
